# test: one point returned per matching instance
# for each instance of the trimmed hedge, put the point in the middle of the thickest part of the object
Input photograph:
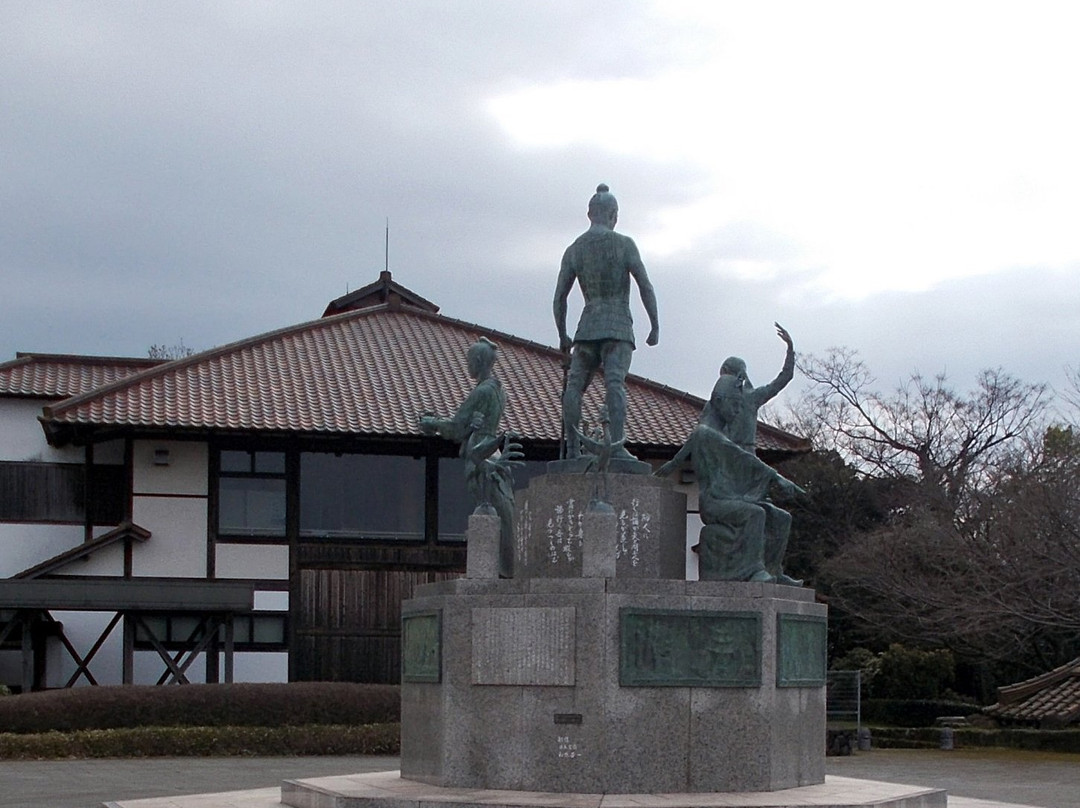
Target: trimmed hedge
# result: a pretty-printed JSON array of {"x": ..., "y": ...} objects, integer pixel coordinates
[
  {"x": 314, "y": 739},
  {"x": 907, "y": 713},
  {"x": 1062, "y": 740},
  {"x": 216, "y": 705}
]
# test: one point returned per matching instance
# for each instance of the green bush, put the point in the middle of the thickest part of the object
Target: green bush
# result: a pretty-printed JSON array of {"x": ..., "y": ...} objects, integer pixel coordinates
[
  {"x": 860, "y": 659},
  {"x": 901, "y": 672},
  {"x": 217, "y": 705},
  {"x": 314, "y": 739},
  {"x": 930, "y": 738},
  {"x": 912, "y": 673}
]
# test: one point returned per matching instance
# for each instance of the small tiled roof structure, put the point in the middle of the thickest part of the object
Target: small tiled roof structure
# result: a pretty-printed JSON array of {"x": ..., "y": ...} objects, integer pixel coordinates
[
  {"x": 384, "y": 290},
  {"x": 53, "y": 376},
  {"x": 369, "y": 371},
  {"x": 1049, "y": 700}
]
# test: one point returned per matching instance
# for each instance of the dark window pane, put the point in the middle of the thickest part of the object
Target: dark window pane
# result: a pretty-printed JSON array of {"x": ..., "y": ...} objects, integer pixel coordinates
[
  {"x": 269, "y": 630},
  {"x": 236, "y": 461},
  {"x": 185, "y": 628},
  {"x": 270, "y": 462},
  {"x": 251, "y": 506},
  {"x": 361, "y": 496},
  {"x": 455, "y": 501},
  {"x": 158, "y": 626},
  {"x": 178, "y": 631},
  {"x": 241, "y": 630}
]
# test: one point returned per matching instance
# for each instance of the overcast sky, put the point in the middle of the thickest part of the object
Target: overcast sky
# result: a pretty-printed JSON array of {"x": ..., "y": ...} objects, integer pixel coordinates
[{"x": 900, "y": 178}]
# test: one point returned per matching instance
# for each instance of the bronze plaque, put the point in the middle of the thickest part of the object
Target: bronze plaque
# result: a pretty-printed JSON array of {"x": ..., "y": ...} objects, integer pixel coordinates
[
  {"x": 421, "y": 647},
  {"x": 800, "y": 650},
  {"x": 679, "y": 648}
]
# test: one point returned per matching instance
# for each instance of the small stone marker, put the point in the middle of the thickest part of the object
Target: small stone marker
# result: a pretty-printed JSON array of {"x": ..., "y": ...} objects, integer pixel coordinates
[{"x": 482, "y": 550}]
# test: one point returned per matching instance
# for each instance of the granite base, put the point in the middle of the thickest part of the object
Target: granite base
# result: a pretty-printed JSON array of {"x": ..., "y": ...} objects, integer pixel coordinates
[
  {"x": 606, "y": 685},
  {"x": 390, "y": 790}
]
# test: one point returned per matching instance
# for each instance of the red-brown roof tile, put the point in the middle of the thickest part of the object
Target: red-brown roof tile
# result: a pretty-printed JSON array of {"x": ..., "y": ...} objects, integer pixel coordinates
[
  {"x": 373, "y": 372},
  {"x": 1052, "y": 697},
  {"x": 59, "y": 376}
]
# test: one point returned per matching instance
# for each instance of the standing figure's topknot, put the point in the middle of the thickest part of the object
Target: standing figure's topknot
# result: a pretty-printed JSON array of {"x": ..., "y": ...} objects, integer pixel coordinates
[{"x": 602, "y": 203}]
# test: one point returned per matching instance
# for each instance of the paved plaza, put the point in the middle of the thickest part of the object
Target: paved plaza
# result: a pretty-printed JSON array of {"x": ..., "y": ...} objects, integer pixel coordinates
[{"x": 973, "y": 778}]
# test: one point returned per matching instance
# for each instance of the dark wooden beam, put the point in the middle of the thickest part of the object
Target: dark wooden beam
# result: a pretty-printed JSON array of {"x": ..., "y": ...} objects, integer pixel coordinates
[{"x": 131, "y": 594}]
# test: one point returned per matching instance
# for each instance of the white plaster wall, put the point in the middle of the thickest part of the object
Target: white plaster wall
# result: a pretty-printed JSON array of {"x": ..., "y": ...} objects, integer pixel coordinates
[
  {"x": 106, "y": 562},
  {"x": 693, "y": 521},
  {"x": 693, "y": 533},
  {"x": 253, "y": 666},
  {"x": 149, "y": 667},
  {"x": 186, "y": 472},
  {"x": 248, "y": 666},
  {"x": 82, "y": 630},
  {"x": 271, "y": 601},
  {"x": 24, "y": 545},
  {"x": 253, "y": 561},
  {"x": 177, "y": 546},
  {"x": 21, "y": 435}
]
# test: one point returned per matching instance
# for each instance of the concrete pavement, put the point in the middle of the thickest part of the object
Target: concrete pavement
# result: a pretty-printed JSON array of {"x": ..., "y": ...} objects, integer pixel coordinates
[{"x": 974, "y": 778}]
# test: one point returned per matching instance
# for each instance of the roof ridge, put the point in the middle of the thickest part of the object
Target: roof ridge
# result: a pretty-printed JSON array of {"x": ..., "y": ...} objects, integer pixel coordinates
[
  {"x": 19, "y": 361},
  {"x": 221, "y": 350},
  {"x": 197, "y": 358},
  {"x": 1010, "y": 694},
  {"x": 555, "y": 352},
  {"x": 88, "y": 359}
]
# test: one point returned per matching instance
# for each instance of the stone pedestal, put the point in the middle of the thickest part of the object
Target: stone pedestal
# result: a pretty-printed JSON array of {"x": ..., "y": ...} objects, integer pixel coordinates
[
  {"x": 482, "y": 548},
  {"x": 650, "y": 525},
  {"x": 611, "y": 676}
]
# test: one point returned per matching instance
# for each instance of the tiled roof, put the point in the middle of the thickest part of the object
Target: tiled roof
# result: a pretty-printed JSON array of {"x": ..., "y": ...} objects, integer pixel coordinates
[
  {"x": 60, "y": 376},
  {"x": 1053, "y": 697},
  {"x": 368, "y": 372}
]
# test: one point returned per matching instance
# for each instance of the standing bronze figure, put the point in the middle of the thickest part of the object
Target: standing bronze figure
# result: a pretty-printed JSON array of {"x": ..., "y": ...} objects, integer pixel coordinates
[{"x": 602, "y": 262}]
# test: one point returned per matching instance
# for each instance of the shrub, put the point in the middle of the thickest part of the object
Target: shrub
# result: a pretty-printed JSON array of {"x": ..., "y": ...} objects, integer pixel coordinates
[
  {"x": 215, "y": 705},
  {"x": 315, "y": 739},
  {"x": 912, "y": 712},
  {"x": 912, "y": 673},
  {"x": 1067, "y": 741},
  {"x": 859, "y": 659}
]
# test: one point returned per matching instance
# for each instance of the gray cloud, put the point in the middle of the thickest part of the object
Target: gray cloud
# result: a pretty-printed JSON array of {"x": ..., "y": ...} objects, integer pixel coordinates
[{"x": 208, "y": 171}]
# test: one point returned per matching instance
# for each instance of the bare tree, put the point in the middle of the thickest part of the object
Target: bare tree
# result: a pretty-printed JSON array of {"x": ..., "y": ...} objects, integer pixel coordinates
[
  {"x": 1001, "y": 584},
  {"x": 980, "y": 551},
  {"x": 177, "y": 351},
  {"x": 923, "y": 430}
]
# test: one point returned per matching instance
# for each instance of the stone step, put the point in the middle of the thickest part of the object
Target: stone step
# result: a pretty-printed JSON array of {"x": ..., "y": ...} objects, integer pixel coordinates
[{"x": 390, "y": 790}]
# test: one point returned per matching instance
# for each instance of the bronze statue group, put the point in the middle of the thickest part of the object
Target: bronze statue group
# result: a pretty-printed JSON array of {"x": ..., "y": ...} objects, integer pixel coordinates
[{"x": 744, "y": 535}]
